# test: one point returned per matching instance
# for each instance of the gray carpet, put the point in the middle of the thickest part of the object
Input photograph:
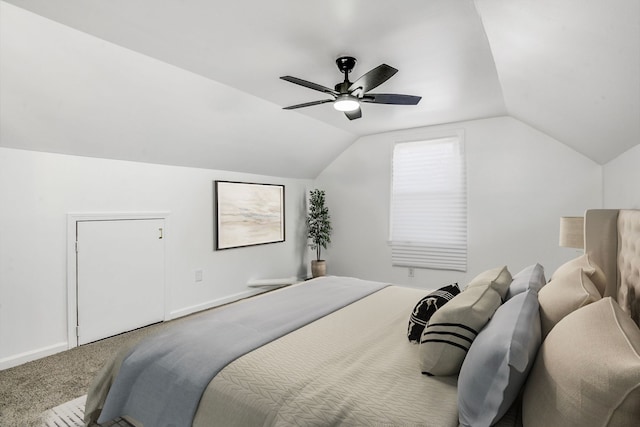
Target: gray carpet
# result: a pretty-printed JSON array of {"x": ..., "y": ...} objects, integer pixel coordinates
[{"x": 28, "y": 390}]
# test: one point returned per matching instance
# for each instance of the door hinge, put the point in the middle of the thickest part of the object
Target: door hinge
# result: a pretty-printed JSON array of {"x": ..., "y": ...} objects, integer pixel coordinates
[
  {"x": 76, "y": 246},
  {"x": 77, "y": 331}
]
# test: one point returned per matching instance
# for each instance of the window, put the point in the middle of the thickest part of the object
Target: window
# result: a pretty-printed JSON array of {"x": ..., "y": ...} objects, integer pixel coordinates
[{"x": 429, "y": 204}]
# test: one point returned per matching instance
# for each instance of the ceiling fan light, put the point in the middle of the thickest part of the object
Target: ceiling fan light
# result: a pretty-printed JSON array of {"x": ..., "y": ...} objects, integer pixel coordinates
[{"x": 346, "y": 103}]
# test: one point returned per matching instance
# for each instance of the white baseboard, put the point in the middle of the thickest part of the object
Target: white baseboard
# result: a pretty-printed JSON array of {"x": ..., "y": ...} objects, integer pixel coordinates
[
  {"x": 28, "y": 356},
  {"x": 213, "y": 303}
]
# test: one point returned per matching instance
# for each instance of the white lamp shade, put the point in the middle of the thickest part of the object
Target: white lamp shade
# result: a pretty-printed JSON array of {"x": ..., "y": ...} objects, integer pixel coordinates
[{"x": 572, "y": 232}]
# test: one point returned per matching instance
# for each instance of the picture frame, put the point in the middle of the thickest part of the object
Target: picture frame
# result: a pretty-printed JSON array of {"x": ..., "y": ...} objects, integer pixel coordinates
[{"x": 248, "y": 214}]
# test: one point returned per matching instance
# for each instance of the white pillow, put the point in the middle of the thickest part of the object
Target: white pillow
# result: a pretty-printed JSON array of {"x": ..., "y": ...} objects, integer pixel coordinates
[
  {"x": 565, "y": 294},
  {"x": 499, "y": 361},
  {"x": 587, "y": 372},
  {"x": 584, "y": 262}
]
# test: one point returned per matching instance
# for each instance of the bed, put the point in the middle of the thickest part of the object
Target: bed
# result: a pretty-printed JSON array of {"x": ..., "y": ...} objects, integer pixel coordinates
[{"x": 505, "y": 350}]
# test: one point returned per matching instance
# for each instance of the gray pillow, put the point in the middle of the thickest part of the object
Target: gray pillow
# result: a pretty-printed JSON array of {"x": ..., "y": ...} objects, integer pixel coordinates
[
  {"x": 531, "y": 277},
  {"x": 499, "y": 361}
]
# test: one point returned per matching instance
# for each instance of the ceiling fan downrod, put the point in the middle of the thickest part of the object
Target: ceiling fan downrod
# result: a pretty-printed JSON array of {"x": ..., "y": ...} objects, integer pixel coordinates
[{"x": 345, "y": 65}]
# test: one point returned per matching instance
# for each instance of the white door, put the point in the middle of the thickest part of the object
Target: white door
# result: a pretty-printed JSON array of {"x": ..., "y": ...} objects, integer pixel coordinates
[{"x": 120, "y": 276}]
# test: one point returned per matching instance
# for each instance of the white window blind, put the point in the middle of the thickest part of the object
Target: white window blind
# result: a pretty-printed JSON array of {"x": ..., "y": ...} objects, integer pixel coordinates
[{"x": 429, "y": 205}]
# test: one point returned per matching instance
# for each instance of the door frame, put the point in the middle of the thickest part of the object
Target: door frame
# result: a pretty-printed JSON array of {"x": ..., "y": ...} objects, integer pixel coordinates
[{"x": 72, "y": 259}]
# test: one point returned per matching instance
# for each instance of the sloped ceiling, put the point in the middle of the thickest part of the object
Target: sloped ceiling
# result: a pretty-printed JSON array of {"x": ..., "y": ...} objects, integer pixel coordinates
[
  {"x": 570, "y": 68},
  {"x": 196, "y": 83}
]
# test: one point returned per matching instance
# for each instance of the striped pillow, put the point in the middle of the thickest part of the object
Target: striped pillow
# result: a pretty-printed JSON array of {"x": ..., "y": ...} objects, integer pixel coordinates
[
  {"x": 425, "y": 308},
  {"x": 451, "y": 330}
]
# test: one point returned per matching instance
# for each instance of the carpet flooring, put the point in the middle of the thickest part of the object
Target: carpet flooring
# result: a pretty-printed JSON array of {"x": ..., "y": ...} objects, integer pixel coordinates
[{"x": 28, "y": 390}]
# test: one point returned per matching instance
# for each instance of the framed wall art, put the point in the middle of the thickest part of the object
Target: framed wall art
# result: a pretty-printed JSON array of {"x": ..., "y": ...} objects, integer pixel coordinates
[{"x": 248, "y": 214}]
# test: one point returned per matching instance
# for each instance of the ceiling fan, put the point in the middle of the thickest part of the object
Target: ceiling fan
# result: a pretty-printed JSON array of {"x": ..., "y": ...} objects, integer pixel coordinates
[{"x": 347, "y": 96}]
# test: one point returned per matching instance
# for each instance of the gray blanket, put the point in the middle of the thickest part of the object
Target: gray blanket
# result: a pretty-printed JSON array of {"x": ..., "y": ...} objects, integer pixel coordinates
[{"x": 162, "y": 380}]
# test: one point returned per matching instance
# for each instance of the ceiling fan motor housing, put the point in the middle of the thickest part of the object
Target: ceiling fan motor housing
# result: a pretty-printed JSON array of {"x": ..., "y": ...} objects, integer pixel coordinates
[{"x": 346, "y": 63}]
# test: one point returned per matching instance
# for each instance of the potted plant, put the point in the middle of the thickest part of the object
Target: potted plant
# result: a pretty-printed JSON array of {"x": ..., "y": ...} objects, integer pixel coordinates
[{"x": 318, "y": 230}]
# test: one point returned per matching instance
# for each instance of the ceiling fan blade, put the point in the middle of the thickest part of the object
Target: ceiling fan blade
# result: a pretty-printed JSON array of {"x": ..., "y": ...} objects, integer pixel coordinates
[
  {"x": 391, "y": 98},
  {"x": 355, "y": 114},
  {"x": 308, "y": 104},
  {"x": 373, "y": 78},
  {"x": 310, "y": 85}
]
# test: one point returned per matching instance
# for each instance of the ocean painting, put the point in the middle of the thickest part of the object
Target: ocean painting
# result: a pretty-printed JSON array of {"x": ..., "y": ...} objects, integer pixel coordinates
[{"x": 248, "y": 214}]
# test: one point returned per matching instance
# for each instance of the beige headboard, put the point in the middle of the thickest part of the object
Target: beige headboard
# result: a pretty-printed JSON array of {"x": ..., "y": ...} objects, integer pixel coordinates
[{"x": 612, "y": 239}]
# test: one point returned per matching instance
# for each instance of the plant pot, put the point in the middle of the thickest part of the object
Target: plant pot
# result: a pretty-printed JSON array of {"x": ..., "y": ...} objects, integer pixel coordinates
[{"x": 318, "y": 268}]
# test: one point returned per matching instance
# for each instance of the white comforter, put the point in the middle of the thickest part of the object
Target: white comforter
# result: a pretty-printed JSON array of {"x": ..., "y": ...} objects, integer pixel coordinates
[{"x": 354, "y": 367}]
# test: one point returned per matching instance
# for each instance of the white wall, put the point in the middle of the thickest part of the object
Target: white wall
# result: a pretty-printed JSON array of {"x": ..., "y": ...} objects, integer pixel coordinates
[
  {"x": 622, "y": 181},
  {"x": 520, "y": 181},
  {"x": 37, "y": 190}
]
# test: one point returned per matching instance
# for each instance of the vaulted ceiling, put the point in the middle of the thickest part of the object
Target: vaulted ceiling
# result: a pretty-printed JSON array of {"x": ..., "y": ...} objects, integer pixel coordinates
[{"x": 196, "y": 83}]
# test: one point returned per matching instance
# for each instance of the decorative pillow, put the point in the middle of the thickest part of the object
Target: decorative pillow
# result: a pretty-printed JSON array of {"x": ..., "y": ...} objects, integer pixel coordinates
[
  {"x": 584, "y": 262},
  {"x": 587, "y": 372},
  {"x": 452, "y": 329},
  {"x": 531, "y": 277},
  {"x": 499, "y": 361},
  {"x": 498, "y": 279},
  {"x": 425, "y": 308},
  {"x": 563, "y": 295}
]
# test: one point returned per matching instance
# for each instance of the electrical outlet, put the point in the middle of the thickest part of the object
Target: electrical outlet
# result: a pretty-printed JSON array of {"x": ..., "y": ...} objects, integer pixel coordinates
[
  {"x": 410, "y": 271},
  {"x": 199, "y": 275}
]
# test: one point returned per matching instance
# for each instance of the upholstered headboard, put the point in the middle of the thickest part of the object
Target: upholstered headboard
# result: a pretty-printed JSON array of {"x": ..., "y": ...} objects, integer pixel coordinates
[{"x": 612, "y": 239}]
